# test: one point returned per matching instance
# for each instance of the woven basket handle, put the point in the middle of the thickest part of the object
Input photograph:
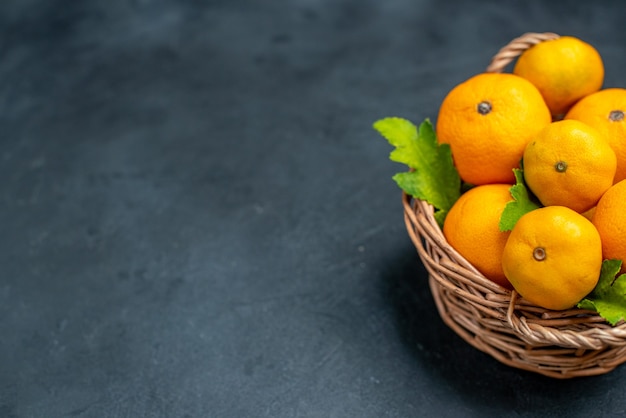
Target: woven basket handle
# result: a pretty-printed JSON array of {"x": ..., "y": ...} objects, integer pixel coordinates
[{"x": 515, "y": 48}]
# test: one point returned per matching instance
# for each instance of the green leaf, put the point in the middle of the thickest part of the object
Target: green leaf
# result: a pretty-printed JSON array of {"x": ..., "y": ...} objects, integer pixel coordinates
[
  {"x": 432, "y": 177},
  {"x": 521, "y": 204},
  {"x": 609, "y": 296}
]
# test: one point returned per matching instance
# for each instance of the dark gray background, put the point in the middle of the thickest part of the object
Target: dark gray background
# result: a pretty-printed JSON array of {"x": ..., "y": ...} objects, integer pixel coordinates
[{"x": 197, "y": 219}]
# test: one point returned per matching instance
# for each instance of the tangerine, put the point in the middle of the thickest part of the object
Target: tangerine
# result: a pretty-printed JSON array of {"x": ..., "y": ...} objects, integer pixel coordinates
[
  {"x": 472, "y": 228},
  {"x": 569, "y": 163},
  {"x": 609, "y": 219},
  {"x": 605, "y": 110},
  {"x": 564, "y": 70},
  {"x": 488, "y": 120},
  {"x": 553, "y": 257}
]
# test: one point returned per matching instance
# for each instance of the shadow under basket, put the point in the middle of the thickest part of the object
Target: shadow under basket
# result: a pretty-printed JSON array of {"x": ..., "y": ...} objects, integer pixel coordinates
[{"x": 497, "y": 321}]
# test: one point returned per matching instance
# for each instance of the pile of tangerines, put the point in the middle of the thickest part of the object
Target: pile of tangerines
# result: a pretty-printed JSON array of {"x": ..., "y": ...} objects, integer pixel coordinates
[{"x": 551, "y": 118}]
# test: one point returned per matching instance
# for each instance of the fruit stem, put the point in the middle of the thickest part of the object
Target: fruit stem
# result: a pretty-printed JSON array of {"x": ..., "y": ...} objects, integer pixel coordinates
[
  {"x": 539, "y": 254},
  {"x": 616, "y": 115},
  {"x": 560, "y": 166},
  {"x": 484, "y": 107}
]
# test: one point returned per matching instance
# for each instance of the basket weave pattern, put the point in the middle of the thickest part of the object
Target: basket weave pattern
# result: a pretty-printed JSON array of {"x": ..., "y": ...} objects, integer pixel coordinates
[{"x": 560, "y": 344}]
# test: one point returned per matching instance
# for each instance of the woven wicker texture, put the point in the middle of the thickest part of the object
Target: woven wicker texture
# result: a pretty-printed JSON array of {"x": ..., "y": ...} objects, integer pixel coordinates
[{"x": 559, "y": 344}]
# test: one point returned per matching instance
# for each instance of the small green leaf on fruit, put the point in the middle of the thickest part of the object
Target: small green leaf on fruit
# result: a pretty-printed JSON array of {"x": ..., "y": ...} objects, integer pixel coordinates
[
  {"x": 521, "y": 204},
  {"x": 608, "y": 298}
]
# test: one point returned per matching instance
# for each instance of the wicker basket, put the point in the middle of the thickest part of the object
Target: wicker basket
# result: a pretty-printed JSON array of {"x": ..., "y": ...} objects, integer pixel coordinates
[{"x": 559, "y": 344}]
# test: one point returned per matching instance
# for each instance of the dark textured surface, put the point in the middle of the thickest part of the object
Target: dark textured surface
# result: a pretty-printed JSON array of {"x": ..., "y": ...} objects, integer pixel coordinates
[{"x": 197, "y": 219}]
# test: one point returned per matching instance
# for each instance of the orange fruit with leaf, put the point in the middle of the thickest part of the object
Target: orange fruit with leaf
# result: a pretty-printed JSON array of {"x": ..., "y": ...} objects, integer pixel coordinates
[
  {"x": 569, "y": 163},
  {"x": 553, "y": 257},
  {"x": 488, "y": 120},
  {"x": 471, "y": 228}
]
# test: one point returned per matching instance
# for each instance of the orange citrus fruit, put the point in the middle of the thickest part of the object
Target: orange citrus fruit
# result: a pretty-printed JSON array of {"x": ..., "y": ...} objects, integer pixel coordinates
[
  {"x": 569, "y": 163},
  {"x": 553, "y": 257},
  {"x": 563, "y": 69},
  {"x": 609, "y": 219},
  {"x": 487, "y": 120},
  {"x": 605, "y": 110},
  {"x": 472, "y": 228}
]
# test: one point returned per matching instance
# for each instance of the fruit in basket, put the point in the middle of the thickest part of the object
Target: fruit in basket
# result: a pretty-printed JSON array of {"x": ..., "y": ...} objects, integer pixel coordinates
[
  {"x": 605, "y": 110},
  {"x": 471, "y": 228},
  {"x": 569, "y": 163},
  {"x": 488, "y": 120},
  {"x": 609, "y": 219},
  {"x": 553, "y": 257},
  {"x": 564, "y": 70}
]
